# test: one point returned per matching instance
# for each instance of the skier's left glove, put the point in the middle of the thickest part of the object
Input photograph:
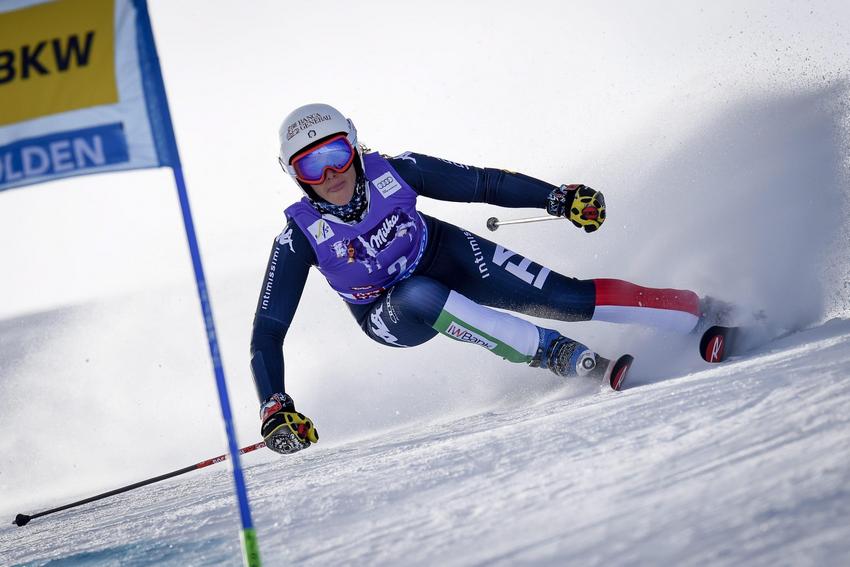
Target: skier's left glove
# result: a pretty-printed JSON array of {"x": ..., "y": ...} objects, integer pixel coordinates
[
  {"x": 582, "y": 205},
  {"x": 285, "y": 430}
]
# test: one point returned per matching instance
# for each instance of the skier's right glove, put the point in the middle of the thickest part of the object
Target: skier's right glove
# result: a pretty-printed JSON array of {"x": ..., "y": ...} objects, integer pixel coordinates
[
  {"x": 582, "y": 205},
  {"x": 285, "y": 430}
]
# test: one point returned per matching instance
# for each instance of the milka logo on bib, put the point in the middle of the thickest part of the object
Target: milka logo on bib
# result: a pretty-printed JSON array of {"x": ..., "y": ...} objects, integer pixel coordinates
[
  {"x": 386, "y": 184},
  {"x": 389, "y": 229},
  {"x": 320, "y": 230},
  {"x": 366, "y": 248}
]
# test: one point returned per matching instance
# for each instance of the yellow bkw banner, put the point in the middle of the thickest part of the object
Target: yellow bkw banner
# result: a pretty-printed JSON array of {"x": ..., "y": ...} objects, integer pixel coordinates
[
  {"x": 56, "y": 57},
  {"x": 80, "y": 90}
]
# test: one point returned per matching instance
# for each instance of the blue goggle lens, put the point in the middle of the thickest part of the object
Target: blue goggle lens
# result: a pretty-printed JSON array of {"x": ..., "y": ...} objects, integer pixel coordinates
[{"x": 336, "y": 154}]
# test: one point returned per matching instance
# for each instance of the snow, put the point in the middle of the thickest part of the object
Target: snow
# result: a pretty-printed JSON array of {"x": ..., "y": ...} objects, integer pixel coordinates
[
  {"x": 719, "y": 135},
  {"x": 743, "y": 463}
]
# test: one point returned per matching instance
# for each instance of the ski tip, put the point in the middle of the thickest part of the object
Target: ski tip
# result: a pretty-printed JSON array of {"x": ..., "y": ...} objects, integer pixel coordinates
[
  {"x": 714, "y": 344},
  {"x": 619, "y": 371}
]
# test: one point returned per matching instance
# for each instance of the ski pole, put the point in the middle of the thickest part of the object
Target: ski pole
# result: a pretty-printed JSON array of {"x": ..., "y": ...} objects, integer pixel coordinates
[
  {"x": 493, "y": 223},
  {"x": 23, "y": 519}
]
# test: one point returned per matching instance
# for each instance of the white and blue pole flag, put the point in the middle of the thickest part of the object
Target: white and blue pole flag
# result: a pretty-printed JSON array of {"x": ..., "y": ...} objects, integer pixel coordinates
[{"x": 81, "y": 92}]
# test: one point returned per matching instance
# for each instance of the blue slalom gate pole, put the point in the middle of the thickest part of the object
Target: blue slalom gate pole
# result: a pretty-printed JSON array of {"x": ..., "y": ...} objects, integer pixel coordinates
[
  {"x": 250, "y": 546},
  {"x": 166, "y": 143}
]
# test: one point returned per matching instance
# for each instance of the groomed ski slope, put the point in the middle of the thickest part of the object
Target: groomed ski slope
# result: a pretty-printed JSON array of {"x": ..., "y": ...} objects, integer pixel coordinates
[
  {"x": 746, "y": 463},
  {"x": 720, "y": 135}
]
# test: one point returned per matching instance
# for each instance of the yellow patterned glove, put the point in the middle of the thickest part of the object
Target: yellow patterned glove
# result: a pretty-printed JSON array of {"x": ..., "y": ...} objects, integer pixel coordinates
[
  {"x": 284, "y": 429},
  {"x": 582, "y": 205}
]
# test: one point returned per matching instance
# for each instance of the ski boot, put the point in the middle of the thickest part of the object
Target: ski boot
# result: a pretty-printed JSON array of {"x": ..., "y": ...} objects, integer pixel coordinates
[
  {"x": 713, "y": 312},
  {"x": 566, "y": 358}
]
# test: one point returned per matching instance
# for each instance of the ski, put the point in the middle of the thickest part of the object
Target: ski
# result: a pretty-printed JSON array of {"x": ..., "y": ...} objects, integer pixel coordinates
[
  {"x": 719, "y": 343},
  {"x": 618, "y": 370}
]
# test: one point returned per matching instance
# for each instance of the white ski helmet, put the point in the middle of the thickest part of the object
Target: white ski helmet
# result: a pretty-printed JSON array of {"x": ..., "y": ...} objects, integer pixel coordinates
[{"x": 307, "y": 125}]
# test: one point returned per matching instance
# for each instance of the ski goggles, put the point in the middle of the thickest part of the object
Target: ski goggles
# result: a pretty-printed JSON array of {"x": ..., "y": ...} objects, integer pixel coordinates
[{"x": 335, "y": 153}]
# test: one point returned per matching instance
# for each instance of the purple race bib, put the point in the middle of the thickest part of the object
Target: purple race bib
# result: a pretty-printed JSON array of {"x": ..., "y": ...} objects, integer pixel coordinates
[{"x": 362, "y": 260}]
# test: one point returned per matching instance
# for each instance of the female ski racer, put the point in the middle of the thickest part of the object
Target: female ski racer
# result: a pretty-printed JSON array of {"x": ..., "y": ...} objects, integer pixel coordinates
[{"x": 407, "y": 276}]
